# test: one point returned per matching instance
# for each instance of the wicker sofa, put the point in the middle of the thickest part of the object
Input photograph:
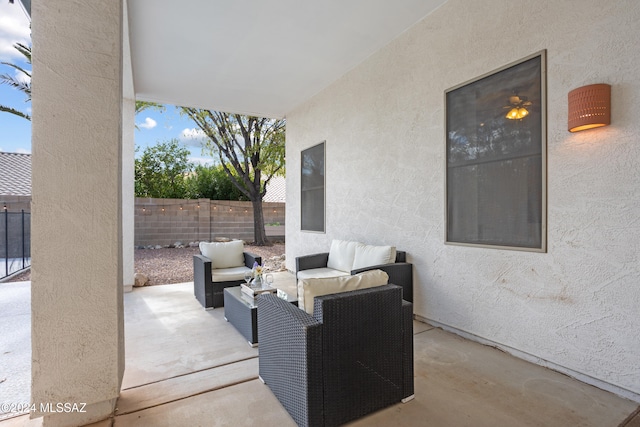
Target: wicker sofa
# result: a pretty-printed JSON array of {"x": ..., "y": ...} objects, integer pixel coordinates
[
  {"x": 353, "y": 356},
  {"x": 220, "y": 265},
  {"x": 349, "y": 258}
]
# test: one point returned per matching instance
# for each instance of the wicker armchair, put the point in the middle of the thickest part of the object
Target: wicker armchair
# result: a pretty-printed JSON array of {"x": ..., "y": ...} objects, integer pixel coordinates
[
  {"x": 209, "y": 292},
  {"x": 352, "y": 357}
]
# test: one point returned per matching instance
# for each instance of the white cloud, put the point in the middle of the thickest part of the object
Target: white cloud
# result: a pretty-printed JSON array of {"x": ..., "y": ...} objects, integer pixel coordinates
[
  {"x": 149, "y": 123},
  {"x": 23, "y": 151},
  {"x": 21, "y": 77},
  {"x": 14, "y": 28},
  {"x": 192, "y": 134},
  {"x": 193, "y": 137}
]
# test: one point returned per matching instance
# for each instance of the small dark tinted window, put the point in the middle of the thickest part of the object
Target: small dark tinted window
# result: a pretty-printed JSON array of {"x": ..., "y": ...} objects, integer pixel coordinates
[{"x": 312, "y": 184}]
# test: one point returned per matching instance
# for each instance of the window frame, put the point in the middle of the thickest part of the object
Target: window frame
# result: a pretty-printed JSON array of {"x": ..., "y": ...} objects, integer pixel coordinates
[{"x": 543, "y": 159}]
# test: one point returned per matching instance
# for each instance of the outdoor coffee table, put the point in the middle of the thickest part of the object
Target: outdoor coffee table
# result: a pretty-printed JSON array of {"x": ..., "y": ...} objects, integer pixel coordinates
[{"x": 242, "y": 312}]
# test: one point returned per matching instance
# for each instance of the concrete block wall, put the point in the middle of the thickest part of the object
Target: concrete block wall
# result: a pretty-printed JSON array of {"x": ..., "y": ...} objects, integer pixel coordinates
[
  {"x": 166, "y": 221},
  {"x": 15, "y": 203}
]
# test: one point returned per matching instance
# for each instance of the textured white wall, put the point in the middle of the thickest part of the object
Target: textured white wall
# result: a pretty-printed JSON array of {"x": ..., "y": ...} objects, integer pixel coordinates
[
  {"x": 77, "y": 313},
  {"x": 575, "y": 306}
]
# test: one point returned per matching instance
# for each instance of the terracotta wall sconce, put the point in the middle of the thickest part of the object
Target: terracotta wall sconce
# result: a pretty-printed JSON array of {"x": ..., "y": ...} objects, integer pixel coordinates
[{"x": 589, "y": 107}]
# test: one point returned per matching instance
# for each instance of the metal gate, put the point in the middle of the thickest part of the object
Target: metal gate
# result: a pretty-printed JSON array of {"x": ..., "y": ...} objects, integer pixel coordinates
[{"x": 15, "y": 242}]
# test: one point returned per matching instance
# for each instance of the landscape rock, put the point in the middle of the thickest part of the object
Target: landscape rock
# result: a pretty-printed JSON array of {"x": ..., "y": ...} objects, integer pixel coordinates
[{"x": 140, "y": 280}]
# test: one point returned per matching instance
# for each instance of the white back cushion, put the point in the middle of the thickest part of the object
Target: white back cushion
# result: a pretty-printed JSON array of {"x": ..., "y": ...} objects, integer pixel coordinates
[
  {"x": 308, "y": 289},
  {"x": 341, "y": 255},
  {"x": 368, "y": 256},
  {"x": 224, "y": 254}
]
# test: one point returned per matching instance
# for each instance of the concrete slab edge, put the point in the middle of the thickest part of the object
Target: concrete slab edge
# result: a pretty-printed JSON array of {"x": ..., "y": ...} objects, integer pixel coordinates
[{"x": 187, "y": 396}]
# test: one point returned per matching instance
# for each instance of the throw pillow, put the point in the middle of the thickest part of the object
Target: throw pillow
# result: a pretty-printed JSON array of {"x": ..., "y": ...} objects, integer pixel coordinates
[
  {"x": 308, "y": 289},
  {"x": 224, "y": 254},
  {"x": 341, "y": 255},
  {"x": 368, "y": 256}
]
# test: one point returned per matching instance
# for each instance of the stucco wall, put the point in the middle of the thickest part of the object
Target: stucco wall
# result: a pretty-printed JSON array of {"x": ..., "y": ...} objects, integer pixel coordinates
[
  {"x": 575, "y": 306},
  {"x": 76, "y": 295}
]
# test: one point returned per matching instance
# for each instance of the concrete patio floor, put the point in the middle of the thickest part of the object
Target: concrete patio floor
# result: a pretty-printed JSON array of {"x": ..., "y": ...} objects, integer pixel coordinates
[{"x": 188, "y": 367}]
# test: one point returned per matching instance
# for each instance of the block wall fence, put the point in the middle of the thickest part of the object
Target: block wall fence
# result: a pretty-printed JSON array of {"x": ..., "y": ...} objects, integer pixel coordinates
[
  {"x": 167, "y": 221},
  {"x": 15, "y": 203}
]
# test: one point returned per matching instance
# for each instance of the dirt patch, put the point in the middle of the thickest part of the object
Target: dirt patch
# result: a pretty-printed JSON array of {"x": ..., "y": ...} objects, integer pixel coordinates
[{"x": 168, "y": 265}]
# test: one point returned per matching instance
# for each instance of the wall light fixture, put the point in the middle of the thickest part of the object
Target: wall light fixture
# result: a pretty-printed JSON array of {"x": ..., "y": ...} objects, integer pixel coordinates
[{"x": 589, "y": 107}]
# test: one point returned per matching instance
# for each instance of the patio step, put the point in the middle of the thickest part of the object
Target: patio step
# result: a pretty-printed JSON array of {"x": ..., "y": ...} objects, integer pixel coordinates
[{"x": 184, "y": 386}]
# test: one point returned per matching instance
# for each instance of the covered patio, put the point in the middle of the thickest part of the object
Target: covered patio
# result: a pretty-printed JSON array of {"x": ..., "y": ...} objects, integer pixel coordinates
[
  {"x": 186, "y": 366},
  {"x": 367, "y": 79}
]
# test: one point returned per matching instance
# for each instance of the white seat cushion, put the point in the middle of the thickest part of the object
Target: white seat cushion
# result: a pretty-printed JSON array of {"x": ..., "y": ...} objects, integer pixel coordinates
[
  {"x": 224, "y": 254},
  {"x": 228, "y": 274},
  {"x": 308, "y": 289},
  {"x": 341, "y": 255},
  {"x": 318, "y": 273},
  {"x": 368, "y": 255}
]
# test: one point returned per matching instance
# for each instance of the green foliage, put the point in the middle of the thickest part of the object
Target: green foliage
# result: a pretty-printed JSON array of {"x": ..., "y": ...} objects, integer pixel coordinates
[
  {"x": 144, "y": 105},
  {"x": 212, "y": 182},
  {"x": 161, "y": 171},
  {"x": 23, "y": 85}
]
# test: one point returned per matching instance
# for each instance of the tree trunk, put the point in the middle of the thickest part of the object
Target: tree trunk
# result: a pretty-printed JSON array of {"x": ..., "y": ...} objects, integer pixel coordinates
[{"x": 260, "y": 236}]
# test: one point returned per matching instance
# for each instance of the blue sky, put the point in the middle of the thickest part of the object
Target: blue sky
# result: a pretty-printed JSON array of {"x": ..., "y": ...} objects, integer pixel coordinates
[
  {"x": 15, "y": 132},
  {"x": 155, "y": 126}
]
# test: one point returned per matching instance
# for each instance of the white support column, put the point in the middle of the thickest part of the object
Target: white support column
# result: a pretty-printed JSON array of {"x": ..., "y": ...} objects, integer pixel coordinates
[
  {"x": 77, "y": 244},
  {"x": 128, "y": 153}
]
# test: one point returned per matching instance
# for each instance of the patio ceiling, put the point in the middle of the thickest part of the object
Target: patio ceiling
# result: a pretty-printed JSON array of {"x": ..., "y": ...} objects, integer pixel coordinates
[{"x": 256, "y": 57}]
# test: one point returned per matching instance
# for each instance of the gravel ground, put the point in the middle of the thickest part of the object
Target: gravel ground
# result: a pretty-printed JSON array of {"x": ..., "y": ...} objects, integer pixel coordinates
[{"x": 164, "y": 266}]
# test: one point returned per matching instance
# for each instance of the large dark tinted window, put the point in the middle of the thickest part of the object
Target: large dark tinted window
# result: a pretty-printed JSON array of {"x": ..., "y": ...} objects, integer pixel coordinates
[
  {"x": 312, "y": 183},
  {"x": 495, "y": 165}
]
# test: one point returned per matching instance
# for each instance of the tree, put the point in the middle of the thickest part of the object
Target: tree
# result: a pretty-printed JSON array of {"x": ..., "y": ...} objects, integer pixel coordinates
[
  {"x": 161, "y": 170},
  {"x": 250, "y": 150},
  {"x": 22, "y": 84},
  {"x": 212, "y": 182}
]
